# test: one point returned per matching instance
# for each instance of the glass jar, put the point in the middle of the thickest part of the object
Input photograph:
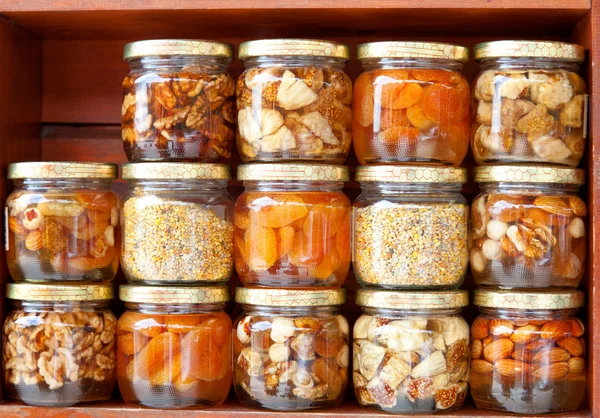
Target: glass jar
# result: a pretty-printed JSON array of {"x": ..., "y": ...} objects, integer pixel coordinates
[
  {"x": 292, "y": 226},
  {"x": 178, "y": 101},
  {"x": 177, "y": 224},
  {"x": 293, "y": 101},
  {"x": 410, "y": 227},
  {"x": 59, "y": 344},
  {"x": 290, "y": 349},
  {"x": 528, "y": 351},
  {"x": 528, "y": 227},
  {"x": 411, "y": 351},
  {"x": 411, "y": 105},
  {"x": 529, "y": 103},
  {"x": 174, "y": 346},
  {"x": 62, "y": 222}
]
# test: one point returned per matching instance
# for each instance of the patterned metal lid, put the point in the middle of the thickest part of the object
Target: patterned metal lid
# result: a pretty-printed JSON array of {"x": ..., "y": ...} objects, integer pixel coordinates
[
  {"x": 412, "y": 300},
  {"x": 410, "y": 174},
  {"x": 173, "y": 295},
  {"x": 176, "y": 171},
  {"x": 293, "y": 172},
  {"x": 293, "y": 47},
  {"x": 554, "y": 299},
  {"x": 530, "y": 49},
  {"x": 166, "y": 47},
  {"x": 529, "y": 174},
  {"x": 412, "y": 49},
  {"x": 59, "y": 292},
  {"x": 290, "y": 298},
  {"x": 62, "y": 170}
]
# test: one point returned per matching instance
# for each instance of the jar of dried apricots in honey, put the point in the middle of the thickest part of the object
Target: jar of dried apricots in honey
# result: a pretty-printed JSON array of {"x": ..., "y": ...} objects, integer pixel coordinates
[
  {"x": 290, "y": 349},
  {"x": 174, "y": 346},
  {"x": 528, "y": 351},
  {"x": 292, "y": 226},
  {"x": 62, "y": 222},
  {"x": 411, "y": 105}
]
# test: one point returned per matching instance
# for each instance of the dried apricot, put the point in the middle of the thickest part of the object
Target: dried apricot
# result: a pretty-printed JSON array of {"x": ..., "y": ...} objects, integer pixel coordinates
[
  {"x": 325, "y": 269},
  {"x": 155, "y": 356},
  {"x": 445, "y": 104},
  {"x": 167, "y": 374},
  {"x": 148, "y": 325},
  {"x": 342, "y": 238},
  {"x": 90, "y": 263},
  {"x": 364, "y": 100},
  {"x": 389, "y": 92},
  {"x": 240, "y": 248},
  {"x": 328, "y": 372},
  {"x": 219, "y": 326},
  {"x": 97, "y": 216},
  {"x": 390, "y": 117},
  {"x": 131, "y": 343},
  {"x": 306, "y": 251},
  {"x": 418, "y": 119},
  {"x": 285, "y": 239},
  {"x": 97, "y": 201},
  {"x": 436, "y": 76},
  {"x": 328, "y": 343},
  {"x": 201, "y": 354},
  {"x": 242, "y": 220},
  {"x": 395, "y": 136},
  {"x": 261, "y": 247},
  {"x": 275, "y": 211},
  {"x": 90, "y": 230},
  {"x": 185, "y": 381},
  {"x": 323, "y": 221},
  {"x": 410, "y": 95},
  {"x": 180, "y": 324}
]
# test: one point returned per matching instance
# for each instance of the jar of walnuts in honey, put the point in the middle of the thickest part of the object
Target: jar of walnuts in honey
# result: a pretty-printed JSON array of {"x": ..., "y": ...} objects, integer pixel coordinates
[{"x": 528, "y": 351}]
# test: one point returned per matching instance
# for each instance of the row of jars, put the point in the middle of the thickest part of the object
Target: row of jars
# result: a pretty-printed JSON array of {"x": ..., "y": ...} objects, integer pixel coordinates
[{"x": 412, "y": 352}]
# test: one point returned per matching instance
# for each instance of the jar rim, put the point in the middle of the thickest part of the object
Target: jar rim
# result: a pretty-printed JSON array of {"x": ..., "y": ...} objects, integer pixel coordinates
[
  {"x": 547, "y": 300},
  {"x": 176, "y": 171},
  {"x": 413, "y": 49},
  {"x": 562, "y": 51},
  {"x": 293, "y": 47},
  {"x": 61, "y": 170},
  {"x": 289, "y": 297},
  {"x": 59, "y": 292},
  {"x": 406, "y": 300},
  {"x": 410, "y": 174},
  {"x": 167, "y": 295},
  {"x": 530, "y": 174},
  {"x": 293, "y": 172},
  {"x": 177, "y": 47}
]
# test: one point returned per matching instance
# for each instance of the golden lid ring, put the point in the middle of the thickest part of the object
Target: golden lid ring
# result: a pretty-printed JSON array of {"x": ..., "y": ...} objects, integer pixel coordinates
[
  {"x": 293, "y": 47},
  {"x": 556, "y": 299},
  {"x": 59, "y": 292},
  {"x": 530, "y": 49},
  {"x": 174, "y": 295},
  {"x": 290, "y": 298},
  {"x": 176, "y": 171},
  {"x": 450, "y": 299},
  {"x": 529, "y": 174},
  {"x": 293, "y": 172},
  {"x": 62, "y": 170},
  {"x": 166, "y": 47},
  {"x": 410, "y": 174},
  {"x": 412, "y": 49}
]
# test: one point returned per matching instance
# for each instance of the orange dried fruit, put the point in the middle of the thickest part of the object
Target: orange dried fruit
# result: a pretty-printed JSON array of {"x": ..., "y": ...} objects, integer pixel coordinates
[
  {"x": 328, "y": 373},
  {"x": 390, "y": 117},
  {"x": 277, "y": 210},
  {"x": 327, "y": 267},
  {"x": 218, "y": 326},
  {"x": 180, "y": 324},
  {"x": 155, "y": 356},
  {"x": 261, "y": 247},
  {"x": 436, "y": 76},
  {"x": 364, "y": 100},
  {"x": 306, "y": 251},
  {"x": 418, "y": 119},
  {"x": 170, "y": 370},
  {"x": 145, "y": 324},
  {"x": 393, "y": 137},
  {"x": 98, "y": 216},
  {"x": 90, "y": 263},
  {"x": 323, "y": 221},
  {"x": 185, "y": 381},
  {"x": 240, "y": 248},
  {"x": 90, "y": 230},
  {"x": 328, "y": 343},
  {"x": 285, "y": 239},
  {"x": 16, "y": 227},
  {"x": 445, "y": 104},
  {"x": 97, "y": 201},
  {"x": 241, "y": 220},
  {"x": 201, "y": 354},
  {"x": 342, "y": 238},
  {"x": 131, "y": 343}
]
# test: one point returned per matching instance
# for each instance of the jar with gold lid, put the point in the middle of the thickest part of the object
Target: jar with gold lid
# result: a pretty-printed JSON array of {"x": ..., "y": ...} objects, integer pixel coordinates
[
  {"x": 58, "y": 344},
  {"x": 528, "y": 227},
  {"x": 411, "y": 351},
  {"x": 292, "y": 226},
  {"x": 62, "y": 222},
  {"x": 528, "y": 351},
  {"x": 411, "y": 103},
  {"x": 293, "y": 101},
  {"x": 529, "y": 103},
  {"x": 178, "y": 101},
  {"x": 174, "y": 346}
]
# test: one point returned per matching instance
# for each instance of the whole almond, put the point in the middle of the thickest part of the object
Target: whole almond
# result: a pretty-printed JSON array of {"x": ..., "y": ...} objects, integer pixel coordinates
[
  {"x": 487, "y": 341},
  {"x": 538, "y": 344},
  {"x": 551, "y": 355},
  {"x": 498, "y": 350},
  {"x": 577, "y": 206},
  {"x": 555, "y": 330},
  {"x": 576, "y": 364},
  {"x": 16, "y": 227},
  {"x": 502, "y": 328},
  {"x": 476, "y": 349},
  {"x": 525, "y": 334},
  {"x": 522, "y": 355},
  {"x": 512, "y": 368},
  {"x": 480, "y": 328},
  {"x": 551, "y": 204},
  {"x": 481, "y": 366},
  {"x": 572, "y": 345},
  {"x": 33, "y": 241},
  {"x": 577, "y": 328},
  {"x": 553, "y": 371}
]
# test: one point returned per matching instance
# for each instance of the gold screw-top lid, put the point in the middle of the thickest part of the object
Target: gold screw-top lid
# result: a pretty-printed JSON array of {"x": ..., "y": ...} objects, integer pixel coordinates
[
  {"x": 176, "y": 171},
  {"x": 174, "y": 295},
  {"x": 410, "y": 174},
  {"x": 59, "y": 292},
  {"x": 290, "y": 298},
  {"x": 413, "y": 49},
  {"x": 387, "y": 299},
  {"x": 554, "y": 299},
  {"x": 166, "y": 47},
  {"x": 61, "y": 170},
  {"x": 529, "y": 49},
  {"x": 529, "y": 174},
  {"x": 293, "y": 172},
  {"x": 293, "y": 47}
]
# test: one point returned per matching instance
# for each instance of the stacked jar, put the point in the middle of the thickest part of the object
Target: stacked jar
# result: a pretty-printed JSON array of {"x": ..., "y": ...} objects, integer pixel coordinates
[{"x": 528, "y": 227}]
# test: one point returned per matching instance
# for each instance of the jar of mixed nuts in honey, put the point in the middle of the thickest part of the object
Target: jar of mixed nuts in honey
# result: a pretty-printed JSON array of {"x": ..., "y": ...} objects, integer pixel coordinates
[
  {"x": 528, "y": 227},
  {"x": 62, "y": 222},
  {"x": 178, "y": 101},
  {"x": 528, "y": 351},
  {"x": 292, "y": 226},
  {"x": 410, "y": 227},
  {"x": 293, "y": 101},
  {"x": 174, "y": 346},
  {"x": 177, "y": 224},
  {"x": 411, "y": 351},
  {"x": 290, "y": 349},
  {"x": 411, "y": 105},
  {"x": 59, "y": 344},
  {"x": 529, "y": 103}
]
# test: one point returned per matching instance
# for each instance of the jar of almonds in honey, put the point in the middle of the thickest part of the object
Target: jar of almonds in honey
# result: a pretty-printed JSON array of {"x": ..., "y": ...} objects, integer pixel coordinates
[
  {"x": 528, "y": 351},
  {"x": 411, "y": 105}
]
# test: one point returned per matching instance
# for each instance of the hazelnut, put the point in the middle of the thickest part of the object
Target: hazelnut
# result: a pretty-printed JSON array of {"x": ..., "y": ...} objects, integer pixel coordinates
[
  {"x": 496, "y": 229},
  {"x": 577, "y": 228},
  {"x": 492, "y": 250}
]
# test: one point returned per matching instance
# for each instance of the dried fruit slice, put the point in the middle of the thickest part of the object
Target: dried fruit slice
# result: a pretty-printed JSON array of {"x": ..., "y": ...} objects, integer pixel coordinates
[
  {"x": 200, "y": 353},
  {"x": 181, "y": 323},
  {"x": 437, "y": 76},
  {"x": 155, "y": 356},
  {"x": 418, "y": 119},
  {"x": 364, "y": 100},
  {"x": 16, "y": 227},
  {"x": 323, "y": 221},
  {"x": 391, "y": 117},
  {"x": 97, "y": 201},
  {"x": 445, "y": 398},
  {"x": 398, "y": 135},
  {"x": 285, "y": 239},
  {"x": 328, "y": 372},
  {"x": 89, "y": 230},
  {"x": 242, "y": 220},
  {"x": 328, "y": 343},
  {"x": 98, "y": 216},
  {"x": 145, "y": 324},
  {"x": 131, "y": 343},
  {"x": 445, "y": 104},
  {"x": 90, "y": 263},
  {"x": 219, "y": 326},
  {"x": 261, "y": 247},
  {"x": 306, "y": 251},
  {"x": 409, "y": 95},
  {"x": 277, "y": 210},
  {"x": 342, "y": 238},
  {"x": 168, "y": 373},
  {"x": 327, "y": 267}
]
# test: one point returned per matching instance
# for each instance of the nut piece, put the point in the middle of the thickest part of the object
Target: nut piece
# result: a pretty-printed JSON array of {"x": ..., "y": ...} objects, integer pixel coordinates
[
  {"x": 572, "y": 113},
  {"x": 480, "y": 328},
  {"x": 553, "y": 371},
  {"x": 524, "y": 334},
  {"x": 433, "y": 365},
  {"x": 282, "y": 329},
  {"x": 250, "y": 361},
  {"x": 514, "y": 235},
  {"x": 477, "y": 260},
  {"x": 512, "y": 368},
  {"x": 498, "y": 350},
  {"x": 577, "y": 228},
  {"x": 476, "y": 349},
  {"x": 294, "y": 93},
  {"x": 572, "y": 345},
  {"x": 502, "y": 328},
  {"x": 32, "y": 219},
  {"x": 491, "y": 250},
  {"x": 481, "y": 366},
  {"x": 371, "y": 356},
  {"x": 576, "y": 364},
  {"x": 496, "y": 229},
  {"x": 555, "y": 330},
  {"x": 279, "y": 353},
  {"x": 243, "y": 330}
]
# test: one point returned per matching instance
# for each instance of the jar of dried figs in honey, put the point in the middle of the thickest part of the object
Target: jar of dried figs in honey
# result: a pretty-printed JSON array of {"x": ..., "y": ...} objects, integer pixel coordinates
[
  {"x": 411, "y": 105},
  {"x": 529, "y": 103},
  {"x": 528, "y": 351},
  {"x": 292, "y": 226},
  {"x": 290, "y": 349},
  {"x": 293, "y": 101},
  {"x": 62, "y": 222},
  {"x": 174, "y": 346},
  {"x": 411, "y": 351},
  {"x": 178, "y": 101},
  {"x": 59, "y": 344},
  {"x": 528, "y": 227}
]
